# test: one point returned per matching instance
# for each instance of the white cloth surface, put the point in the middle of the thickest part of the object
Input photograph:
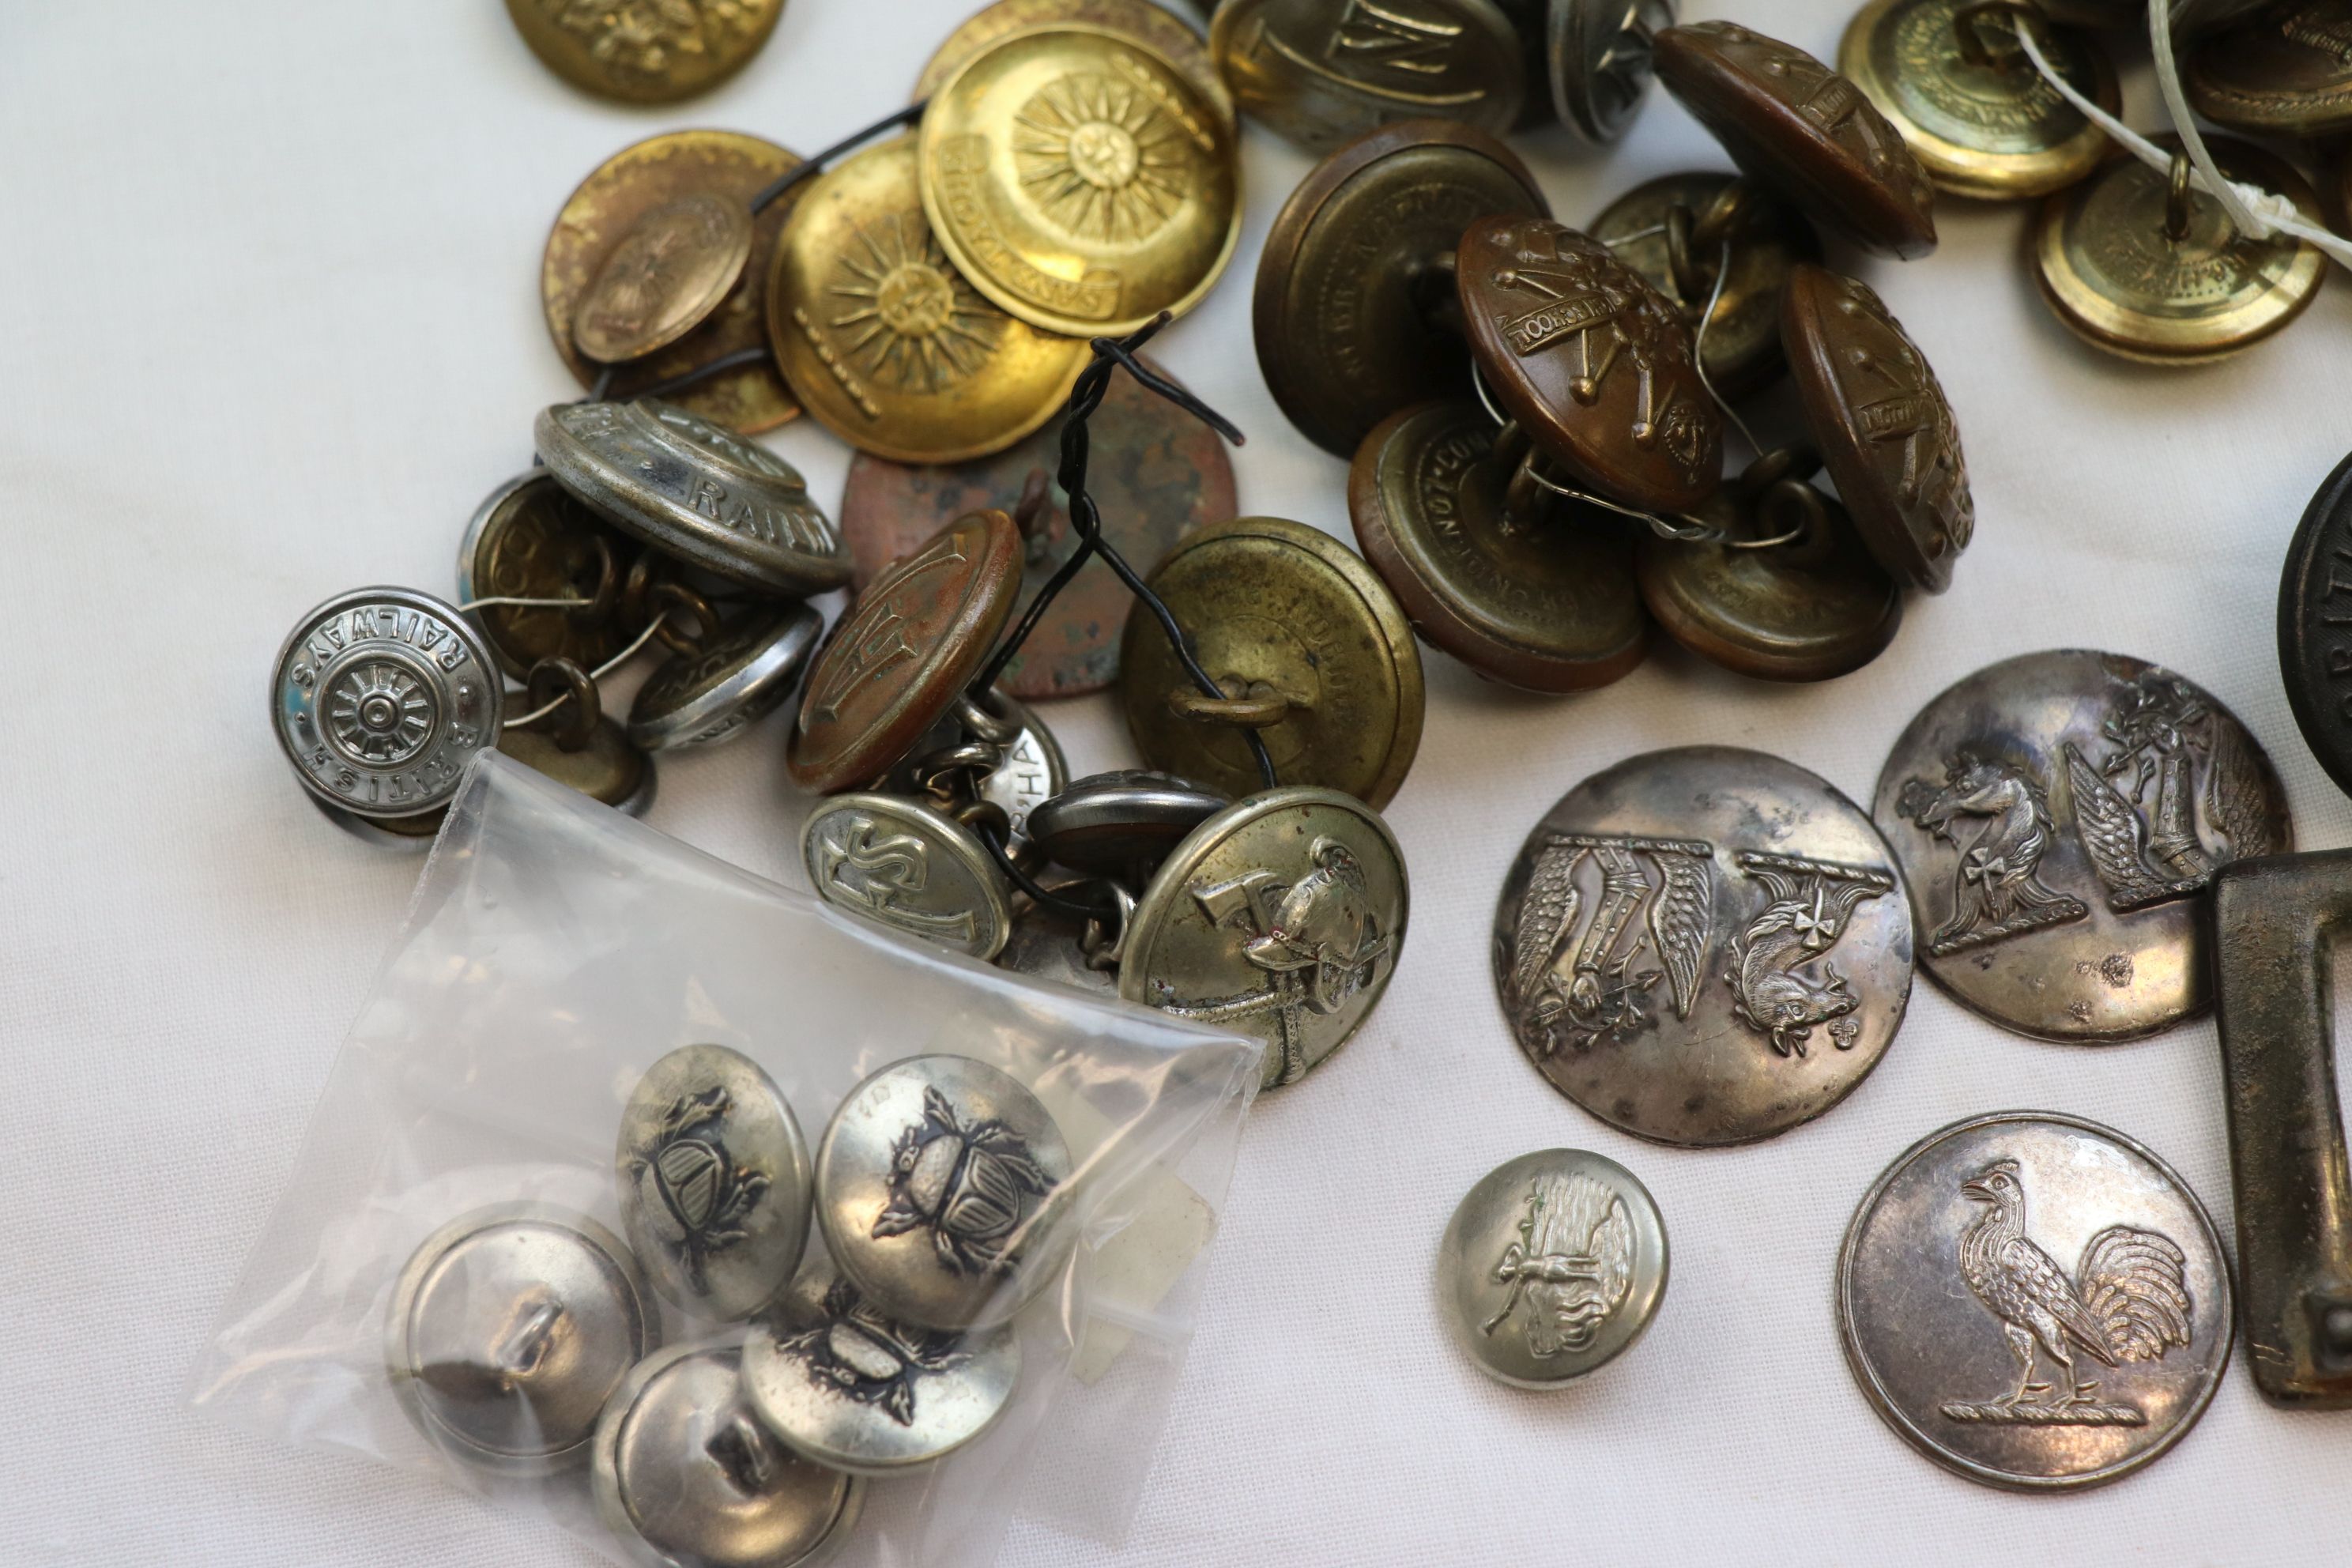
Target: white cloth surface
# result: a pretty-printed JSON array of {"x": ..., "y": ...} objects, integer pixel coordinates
[{"x": 269, "y": 329}]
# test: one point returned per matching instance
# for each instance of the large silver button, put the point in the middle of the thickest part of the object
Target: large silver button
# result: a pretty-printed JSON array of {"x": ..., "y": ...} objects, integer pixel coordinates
[
  {"x": 906, "y": 865},
  {"x": 714, "y": 1181},
  {"x": 686, "y": 1477},
  {"x": 1553, "y": 1264},
  {"x": 942, "y": 1192},
  {"x": 508, "y": 1330},
  {"x": 847, "y": 1385}
]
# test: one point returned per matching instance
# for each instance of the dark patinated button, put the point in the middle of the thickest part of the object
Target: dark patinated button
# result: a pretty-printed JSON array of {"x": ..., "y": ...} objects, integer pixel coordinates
[
  {"x": 2284, "y": 71},
  {"x": 2314, "y": 625}
]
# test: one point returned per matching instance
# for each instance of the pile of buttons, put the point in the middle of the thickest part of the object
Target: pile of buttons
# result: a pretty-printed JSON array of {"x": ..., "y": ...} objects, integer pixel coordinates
[{"x": 525, "y": 1339}]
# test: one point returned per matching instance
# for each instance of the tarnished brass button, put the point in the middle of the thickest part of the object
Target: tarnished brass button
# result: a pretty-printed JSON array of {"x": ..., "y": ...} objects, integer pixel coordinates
[
  {"x": 1547, "y": 602},
  {"x": 2151, "y": 270},
  {"x": 1080, "y": 181},
  {"x": 1598, "y": 55},
  {"x": 1355, "y": 287},
  {"x": 645, "y": 53},
  {"x": 609, "y": 213},
  {"x": 665, "y": 278},
  {"x": 1155, "y": 27},
  {"x": 531, "y": 539},
  {"x": 1950, "y": 75},
  {"x": 2284, "y": 71},
  {"x": 2315, "y": 635},
  {"x": 1593, "y": 363},
  {"x": 1800, "y": 128},
  {"x": 1674, "y": 231},
  {"x": 1882, "y": 426},
  {"x": 904, "y": 652},
  {"x": 1321, "y": 74},
  {"x": 887, "y": 344},
  {"x": 1277, "y": 610}
]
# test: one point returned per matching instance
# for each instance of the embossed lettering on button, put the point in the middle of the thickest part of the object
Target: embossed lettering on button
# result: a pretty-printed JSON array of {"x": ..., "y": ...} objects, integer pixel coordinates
[
  {"x": 1029, "y": 769},
  {"x": 906, "y": 865},
  {"x": 1319, "y": 73},
  {"x": 507, "y": 1329},
  {"x": 380, "y": 697},
  {"x": 714, "y": 1181},
  {"x": 714, "y": 695},
  {"x": 1598, "y": 52},
  {"x": 943, "y": 1192},
  {"x": 2058, "y": 816},
  {"x": 1704, "y": 946},
  {"x": 695, "y": 490},
  {"x": 2034, "y": 1301},
  {"x": 1551, "y": 1267},
  {"x": 2287, "y": 69},
  {"x": 846, "y": 1385}
]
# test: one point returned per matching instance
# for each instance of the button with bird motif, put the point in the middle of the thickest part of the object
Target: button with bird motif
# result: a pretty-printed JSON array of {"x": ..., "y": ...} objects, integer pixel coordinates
[
  {"x": 1704, "y": 946},
  {"x": 2034, "y": 1301}
]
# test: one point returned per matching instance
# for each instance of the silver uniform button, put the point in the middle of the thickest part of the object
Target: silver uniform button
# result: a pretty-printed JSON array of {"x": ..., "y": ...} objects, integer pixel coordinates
[
  {"x": 2034, "y": 1301},
  {"x": 686, "y": 1478},
  {"x": 714, "y": 1181},
  {"x": 1120, "y": 824},
  {"x": 943, "y": 1192},
  {"x": 846, "y": 1386},
  {"x": 1553, "y": 1264},
  {"x": 743, "y": 676},
  {"x": 380, "y": 697},
  {"x": 695, "y": 490},
  {"x": 510, "y": 1327},
  {"x": 1028, "y": 770},
  {"x": 909, "y": 865}
]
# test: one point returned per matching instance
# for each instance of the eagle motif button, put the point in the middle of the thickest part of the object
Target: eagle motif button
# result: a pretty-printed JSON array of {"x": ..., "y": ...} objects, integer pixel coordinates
[
  {"x": 844, "y": 1383},
  {"x": 1704, "y": 946},
  {"x": 943, "y": 1191},
  {"x": 2059, "y": 817},
  {"x": 1552, "y": 1266},
  {"x": 2034, "y": 1301}
]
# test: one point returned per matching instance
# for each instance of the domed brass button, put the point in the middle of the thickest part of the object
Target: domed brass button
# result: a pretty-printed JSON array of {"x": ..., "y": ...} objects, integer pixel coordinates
[
  {"x": 2284, "y": 71},
  {"x": 1321, "y": 74}
]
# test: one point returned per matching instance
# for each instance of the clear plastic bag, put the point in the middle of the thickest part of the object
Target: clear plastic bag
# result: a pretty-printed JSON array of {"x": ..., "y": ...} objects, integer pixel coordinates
[{"x": 555, "y": 948}]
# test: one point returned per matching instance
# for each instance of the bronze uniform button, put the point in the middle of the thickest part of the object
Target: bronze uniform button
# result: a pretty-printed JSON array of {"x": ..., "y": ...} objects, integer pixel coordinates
[
  {"x": 665, "y": 278},
  {"x": 2314, "y": 625},
  {"x": 1673, "y": 231},
  {"x": 1355, "y": 287},
  {"x": 904, "y": 652},
  {"x": 1297, "y": 630},
  {"x": 1950, "y": 76},
  {"x": 1880, "y": 419},
  {"x": 1598, "y": 58},
  {"x": 2284, "y": 71},
  {"x": 1547, "y": 602},
  {"x": 647, "y": 53},
  {"x": 2147, "y": 267},
  {"x": 1796, "y": 125},
  {"x": 1152, "y": 26},
  {"x": 1321, "y": 74},
  {"x": 1592, "y": 361},
  {"x": 608, "y": 212}
]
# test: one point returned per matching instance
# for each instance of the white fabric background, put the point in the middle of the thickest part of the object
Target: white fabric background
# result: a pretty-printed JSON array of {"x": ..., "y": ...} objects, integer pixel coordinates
[{"x": 269, "y": 329}]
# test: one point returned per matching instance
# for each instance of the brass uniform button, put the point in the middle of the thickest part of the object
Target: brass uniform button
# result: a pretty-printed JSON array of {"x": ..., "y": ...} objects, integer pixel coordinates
[
  {"x": 646, "y": 54},
  {"x": 532, "y": 539},
  {"x": 1355, "y": 286},
  {"x": 609, "y": 213},
  {"x": 1319, "y": 74},
  {"x": 1674, "y": 231},
  {"x": 1296, "y": 631},
  {"x": 2151, "y": 270},
  {"x": 1154, "y": 26},
  {"x": 1593, "y": 363},
  {"x": 1797, "y": 126},
  {"x": 887, "y": 344},
  {"x": 1080, "y": 181},
  {"x": 1546, "y": 602},
  {"x": 1880, "y": 418},
  {"x": 576, "y": 745},
  {"x": 664, "y": 278},
  {"x": 1968, "y": 102},
  {"x": 2286, "y": 71}
]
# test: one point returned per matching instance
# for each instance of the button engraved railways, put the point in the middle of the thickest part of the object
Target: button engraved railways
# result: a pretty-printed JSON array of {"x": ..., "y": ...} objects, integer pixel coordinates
[
  {"x": 944, "y": 1193},
  {"x": 696, "y": 491},
  {"x": 2314, "y": 625},
  {"x": 714, "y": 1181},
  {"x": 1320, "y": 73},
  {"x": 1795, "y": 125},
  {"x": 1282, "y": 917},
  {"x": 1598, "y": 58},
  {"x": 847, "y": 1385},
  {"x": 712, "y": 696},
  {"x": 1080, "y": 181},
  {"x": 906, "y": 865},
  {"x": 2285, "y": 71},
  {"x": 646, "y": 54},
  {"x": 508, "y": 1329},
  {"x": 2034, "y": 1301},
  {"x": 2057, "y": 815},
  {"x": 1551, "y": 1267},
  {"x": 380, "y": 697},
  {"x": 531, "y": 539},
  {"x": 1704, "y": 946},
  {"x": 1591, "y": 360},
  {"x": 684, "y": 1476},
  {"x": 1155, "y": 27}
]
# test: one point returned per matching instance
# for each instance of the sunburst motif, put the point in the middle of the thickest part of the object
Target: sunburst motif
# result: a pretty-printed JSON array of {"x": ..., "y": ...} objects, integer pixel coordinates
[
  {"x": 379, "y": 712},
  {"x": 1101, "y": 159},
  {"x": 910, "y": 321}
]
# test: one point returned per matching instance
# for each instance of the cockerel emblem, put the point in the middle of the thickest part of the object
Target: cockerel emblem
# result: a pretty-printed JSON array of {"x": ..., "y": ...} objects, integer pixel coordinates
[
  {"x": 1582, "y": 984},
  {"x": 1782, "y": 983},
  {"x": 2127, "y": 1301}
]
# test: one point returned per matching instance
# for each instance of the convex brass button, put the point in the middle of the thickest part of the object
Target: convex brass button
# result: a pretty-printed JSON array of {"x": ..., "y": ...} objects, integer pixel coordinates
[
  {"x": 2285, "y": 71},
  {"x": 531, "y": 539},
  {"x": 646, "y": 54},
  {"x": 1321, "y": 74},
  {"x": 1155, "y": 27}
]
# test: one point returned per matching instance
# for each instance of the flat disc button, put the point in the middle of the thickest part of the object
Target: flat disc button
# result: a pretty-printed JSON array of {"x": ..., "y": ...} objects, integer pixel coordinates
[
  {"x": 1319, "y": 75},
  {"x": 903, "y": 864},
  {"x": 2058, "y": 816},
  {"x": 1704, "y": 946},
  {"x": 1551, "y": 1267},
  {"x": 654, "y": 54},
  {"x": 2034, "y": 1301}
]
